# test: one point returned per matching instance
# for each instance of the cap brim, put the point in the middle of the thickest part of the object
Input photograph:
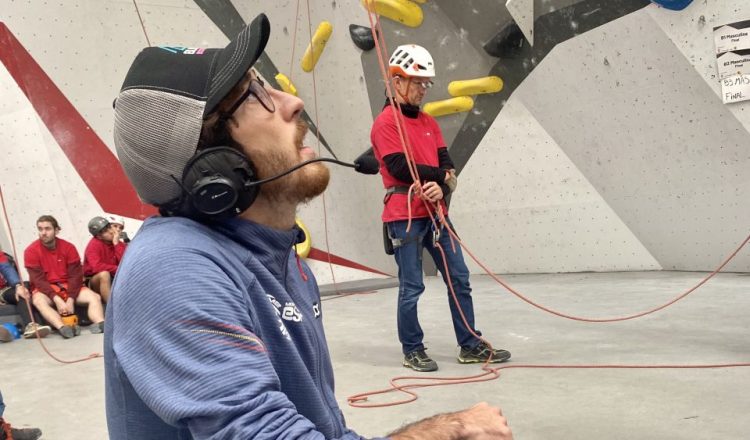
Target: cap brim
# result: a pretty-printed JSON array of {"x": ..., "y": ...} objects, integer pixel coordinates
[{"x": 235, "y": 60}]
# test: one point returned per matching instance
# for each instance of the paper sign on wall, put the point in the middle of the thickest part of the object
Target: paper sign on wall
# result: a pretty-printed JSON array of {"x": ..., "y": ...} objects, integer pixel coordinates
[{"x": 732, "y": 42}]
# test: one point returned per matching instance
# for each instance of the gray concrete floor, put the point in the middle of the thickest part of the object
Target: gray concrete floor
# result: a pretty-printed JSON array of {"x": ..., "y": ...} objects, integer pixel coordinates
[{"x": 708, "y": 327}]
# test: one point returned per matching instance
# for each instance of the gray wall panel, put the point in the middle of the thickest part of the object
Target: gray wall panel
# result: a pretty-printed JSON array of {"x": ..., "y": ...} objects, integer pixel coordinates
[{"x": 524, "y": 207}]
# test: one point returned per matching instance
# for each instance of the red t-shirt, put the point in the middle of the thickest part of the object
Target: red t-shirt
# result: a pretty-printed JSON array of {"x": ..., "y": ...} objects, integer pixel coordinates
[
  {"x": 53, "y": 262},
  {"x": 425, "y": 138},
  {"x": 102, "y": 256}
]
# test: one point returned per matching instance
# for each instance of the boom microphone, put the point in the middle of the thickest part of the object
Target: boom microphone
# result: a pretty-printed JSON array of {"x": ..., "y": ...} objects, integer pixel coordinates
[
  {"x": 361, "y": 165},
  {"x": 366, "y": 163}
]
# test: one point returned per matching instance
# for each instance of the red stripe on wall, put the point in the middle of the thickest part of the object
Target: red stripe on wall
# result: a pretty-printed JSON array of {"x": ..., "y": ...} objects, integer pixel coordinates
[
  {"x": 90, "y": 156},
  {"x": 317, "y": 254}
]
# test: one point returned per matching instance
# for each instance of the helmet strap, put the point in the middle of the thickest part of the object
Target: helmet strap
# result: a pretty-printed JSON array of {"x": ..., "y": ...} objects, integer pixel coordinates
[{"x": 404, "y": 97}]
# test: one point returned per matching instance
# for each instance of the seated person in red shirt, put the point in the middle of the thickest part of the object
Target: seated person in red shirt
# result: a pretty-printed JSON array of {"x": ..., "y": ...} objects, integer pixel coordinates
[
  {"x": 118, "y": 223},
  {"x": 102, "y": 256},
  {"x": 13, "y": 291},
  {"x": 56, "y": 275}
]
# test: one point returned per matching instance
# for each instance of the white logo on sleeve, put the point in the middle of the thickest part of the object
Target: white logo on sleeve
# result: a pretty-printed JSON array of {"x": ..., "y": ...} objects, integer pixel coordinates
[
  {"x": 276, "y": 304},
  {"x": 281, "y": 314}
]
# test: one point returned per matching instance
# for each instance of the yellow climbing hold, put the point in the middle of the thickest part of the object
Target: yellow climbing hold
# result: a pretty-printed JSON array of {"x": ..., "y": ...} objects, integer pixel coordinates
[
  {"x": 449, "y": 106},
  {"x": 316, "y": 46},
  {"x": 487, "y": 84},
  {"x": 403, "y": 11},
  {"x": 303, "y": 249},
  {"x": 421, "y": 2},
  {"x": 286, "y": 84}
]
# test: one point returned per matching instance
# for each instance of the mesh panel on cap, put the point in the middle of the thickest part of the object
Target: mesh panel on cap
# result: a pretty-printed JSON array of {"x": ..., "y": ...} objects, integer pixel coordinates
[{"x": 156, "y": 133}]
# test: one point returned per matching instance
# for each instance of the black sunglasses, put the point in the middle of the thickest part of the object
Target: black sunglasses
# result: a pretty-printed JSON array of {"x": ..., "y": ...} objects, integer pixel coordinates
[{"x": 258, "y": 90}]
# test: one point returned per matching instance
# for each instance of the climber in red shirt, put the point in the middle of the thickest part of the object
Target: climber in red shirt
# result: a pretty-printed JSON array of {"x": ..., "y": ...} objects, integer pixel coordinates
[
  {"x": 102, "y": 256},
  {"x": 56, "y": 275}
]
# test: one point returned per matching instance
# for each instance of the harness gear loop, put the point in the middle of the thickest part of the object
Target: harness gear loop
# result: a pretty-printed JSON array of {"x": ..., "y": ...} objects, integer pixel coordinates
[{"x": 435, "y": 234}]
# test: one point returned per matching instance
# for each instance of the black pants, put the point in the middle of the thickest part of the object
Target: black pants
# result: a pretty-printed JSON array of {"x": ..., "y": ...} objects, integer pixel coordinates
[{"x": 9, "y": 296}]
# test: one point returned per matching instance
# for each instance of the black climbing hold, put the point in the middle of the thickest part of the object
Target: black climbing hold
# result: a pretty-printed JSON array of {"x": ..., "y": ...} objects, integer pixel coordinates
[
  {"x": 507, "y": 43},
  {"x": 362, "y": 36}
]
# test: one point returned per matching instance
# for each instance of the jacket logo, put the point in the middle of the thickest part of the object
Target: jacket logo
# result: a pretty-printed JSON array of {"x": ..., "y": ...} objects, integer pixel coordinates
[
  {"x": 316, "y": 310},
  {"x": 291, "y": 313},
  {"x": 288, "y": 312}
]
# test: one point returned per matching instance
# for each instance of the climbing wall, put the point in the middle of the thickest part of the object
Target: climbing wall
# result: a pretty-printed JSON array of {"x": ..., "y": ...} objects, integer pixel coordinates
[
  {"x": 607, "y": 148},
  {"x": 663, "y": 161}
]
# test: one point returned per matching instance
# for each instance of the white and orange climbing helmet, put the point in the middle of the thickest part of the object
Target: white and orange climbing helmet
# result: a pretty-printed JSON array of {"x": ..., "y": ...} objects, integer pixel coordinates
[
  {"x": 411, "y": 61},
  {"x": 116, "y": 219}
]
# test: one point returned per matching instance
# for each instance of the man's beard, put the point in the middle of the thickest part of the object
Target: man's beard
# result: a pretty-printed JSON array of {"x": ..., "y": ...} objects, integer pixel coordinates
[{"x": 298, "y": 187}]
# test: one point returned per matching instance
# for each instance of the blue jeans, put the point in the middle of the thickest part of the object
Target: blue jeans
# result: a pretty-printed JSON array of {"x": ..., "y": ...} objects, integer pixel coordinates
[{"x": 411, "y": 285}]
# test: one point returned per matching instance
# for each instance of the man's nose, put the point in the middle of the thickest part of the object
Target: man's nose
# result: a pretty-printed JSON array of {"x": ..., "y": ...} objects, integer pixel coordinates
[{"x": 288, "y": 105}]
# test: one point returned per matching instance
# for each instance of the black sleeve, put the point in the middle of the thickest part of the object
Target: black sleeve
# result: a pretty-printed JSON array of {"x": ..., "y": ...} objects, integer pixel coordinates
[
  {"x": 446, "y": 163},
  {"x": 446, "y": 190},
  {"x": 397, "y": 167}
]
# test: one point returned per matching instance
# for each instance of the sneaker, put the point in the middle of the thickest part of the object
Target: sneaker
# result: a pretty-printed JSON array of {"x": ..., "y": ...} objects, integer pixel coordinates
[
  {"x": 480, "y": 353},
  {"x": 97, "y": 328},
  {"x": 77, "y": 330},
  {"x": 66, "y": 331},
  {"x": 33, "y": 328},
  {"x": 25, "y": 433},
  {"x": 419, "y": 361},
  {"x": 5, "y": 335}
]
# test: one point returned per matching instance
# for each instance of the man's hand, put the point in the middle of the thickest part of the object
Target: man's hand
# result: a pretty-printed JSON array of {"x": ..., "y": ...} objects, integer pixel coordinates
[
  {"x": 22, "y": 292},
  {"x": 60, "y": 305},
  {"x": 484, "y": 422},
  {"x": 432, "y": 192},
  {"x": 64, "y": 307},
  {"x": 480, "y": 422},
  {"x": 70, "y": 306},
  {"x": 451, "y": 180}
]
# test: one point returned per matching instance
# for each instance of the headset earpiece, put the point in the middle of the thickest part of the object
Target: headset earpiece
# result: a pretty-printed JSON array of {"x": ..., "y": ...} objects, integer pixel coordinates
[{"x": 217, "y": 183}]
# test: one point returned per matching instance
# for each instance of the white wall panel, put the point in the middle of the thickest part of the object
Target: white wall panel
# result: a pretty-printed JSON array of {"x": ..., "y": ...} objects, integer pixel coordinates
[
  {"x": 523, "y": 207},
  {"x": 37, "y": 178},
  {"x": 691, "y": 30},
  {"x": 84, "y": 46},
  {"x": 178, "y": 23},
  {"x": 652, "y": 137}
]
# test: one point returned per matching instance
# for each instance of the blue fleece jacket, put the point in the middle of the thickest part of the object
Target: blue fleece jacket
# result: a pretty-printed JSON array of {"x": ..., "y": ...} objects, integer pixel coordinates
[{"x": 212, "y": 333}]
